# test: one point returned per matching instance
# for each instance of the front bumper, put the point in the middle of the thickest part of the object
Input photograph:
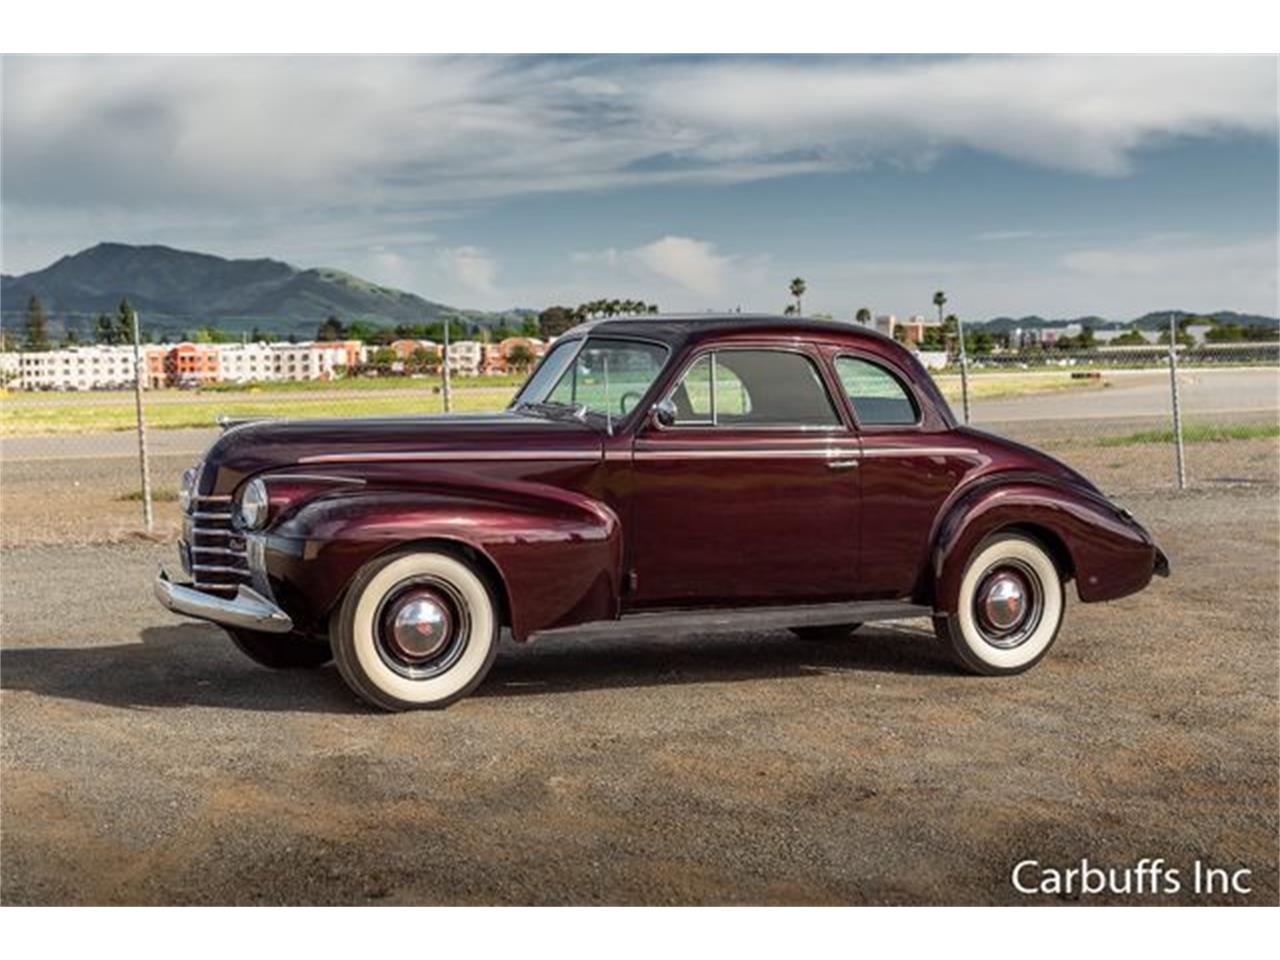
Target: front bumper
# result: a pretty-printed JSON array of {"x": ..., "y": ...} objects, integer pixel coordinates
[{"x": 247, "y": 609}]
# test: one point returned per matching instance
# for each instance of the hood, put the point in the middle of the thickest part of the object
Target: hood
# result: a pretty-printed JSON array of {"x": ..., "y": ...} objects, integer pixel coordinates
[{"x": 250, "y": 448}]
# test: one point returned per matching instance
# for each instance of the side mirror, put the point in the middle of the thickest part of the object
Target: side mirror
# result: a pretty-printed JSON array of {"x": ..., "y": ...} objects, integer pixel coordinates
[{"x": 664, "y": 413}]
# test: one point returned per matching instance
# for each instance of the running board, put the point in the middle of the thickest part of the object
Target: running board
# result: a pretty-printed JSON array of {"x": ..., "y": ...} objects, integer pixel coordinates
[{"x": 699, "y": 620}]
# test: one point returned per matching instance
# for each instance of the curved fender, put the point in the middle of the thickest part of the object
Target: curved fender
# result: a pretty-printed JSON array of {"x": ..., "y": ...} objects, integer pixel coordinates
[
  {"x": 557, "y": 553},
  {"x": 1110, "y": 555}
]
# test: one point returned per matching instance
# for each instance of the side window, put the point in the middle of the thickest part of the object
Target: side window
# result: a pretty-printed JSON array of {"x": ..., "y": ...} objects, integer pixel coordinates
[
  {"x": 773, "y": 388},
  {"x": 879, "y": 398}
]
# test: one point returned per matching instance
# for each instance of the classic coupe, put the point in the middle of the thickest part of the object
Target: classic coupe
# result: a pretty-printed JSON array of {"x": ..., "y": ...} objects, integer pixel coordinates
[{"x": 679, "y": 472}]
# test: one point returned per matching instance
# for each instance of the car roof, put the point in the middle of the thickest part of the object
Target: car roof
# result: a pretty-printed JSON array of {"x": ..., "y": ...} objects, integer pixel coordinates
[{"x": 676, "y": 328}]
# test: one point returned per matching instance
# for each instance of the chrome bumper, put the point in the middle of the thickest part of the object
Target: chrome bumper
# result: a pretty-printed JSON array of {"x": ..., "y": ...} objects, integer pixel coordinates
[{"x": 248, "y": 608}]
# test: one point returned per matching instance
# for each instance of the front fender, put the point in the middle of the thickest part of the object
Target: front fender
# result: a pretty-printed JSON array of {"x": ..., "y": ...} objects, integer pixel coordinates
[
  {"x": 1107, "y": 553},
  {"x": 557, "y": 555}
]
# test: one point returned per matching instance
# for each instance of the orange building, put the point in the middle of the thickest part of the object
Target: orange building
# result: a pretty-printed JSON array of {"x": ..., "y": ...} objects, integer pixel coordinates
[
  {"x": 193, "y": 364},
  {"x": 498, "y": 356}
]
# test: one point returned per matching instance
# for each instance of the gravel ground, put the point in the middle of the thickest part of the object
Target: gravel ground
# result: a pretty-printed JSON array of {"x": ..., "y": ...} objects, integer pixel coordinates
[{"x": 144, "y": 761}]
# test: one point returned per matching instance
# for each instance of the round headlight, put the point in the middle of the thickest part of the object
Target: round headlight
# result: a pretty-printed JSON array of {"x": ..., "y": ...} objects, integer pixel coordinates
[
  {"x": 187, "y": 489},
  {"x": 251, "y": 511}
]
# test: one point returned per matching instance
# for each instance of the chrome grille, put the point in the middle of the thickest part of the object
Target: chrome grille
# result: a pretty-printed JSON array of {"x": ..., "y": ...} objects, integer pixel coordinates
[{"x": 217, "y": 552}]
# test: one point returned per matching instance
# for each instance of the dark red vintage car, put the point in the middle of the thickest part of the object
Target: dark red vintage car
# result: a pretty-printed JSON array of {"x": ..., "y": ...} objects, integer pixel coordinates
[{"x": 686, "y": 470}]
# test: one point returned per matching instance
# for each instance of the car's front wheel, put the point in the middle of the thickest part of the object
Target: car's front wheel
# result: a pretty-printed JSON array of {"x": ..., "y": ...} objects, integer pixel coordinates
[
  {"x": 1009, "y": 610},
  {"x": 279, "y": 652},
  {"x": 415, "y": 630}
]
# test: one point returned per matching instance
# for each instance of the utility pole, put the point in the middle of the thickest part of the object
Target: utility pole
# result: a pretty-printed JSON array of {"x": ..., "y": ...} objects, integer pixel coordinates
[
  {"x": 1177, "y": 410},
  {"x": 444, "y": 369},
  {"x": 143, "y": 463}
]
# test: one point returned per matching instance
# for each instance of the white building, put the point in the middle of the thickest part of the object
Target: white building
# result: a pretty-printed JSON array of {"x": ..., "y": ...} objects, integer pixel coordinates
[
  {"x": 77, "y": 368},
  {"x": 9, "y": 367},
  {"x": 243, "y": 363},
  {"x": 466, "y": 357}
]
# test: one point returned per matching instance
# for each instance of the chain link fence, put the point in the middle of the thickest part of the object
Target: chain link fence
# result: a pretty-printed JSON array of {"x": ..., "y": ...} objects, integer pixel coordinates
[{"x": 69, "y": 459}]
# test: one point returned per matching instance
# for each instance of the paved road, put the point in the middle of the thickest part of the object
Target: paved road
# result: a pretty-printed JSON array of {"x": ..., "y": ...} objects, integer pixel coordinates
[
  {"x": 1131, "y": 395},
  {"x": 144, "y": 761}
]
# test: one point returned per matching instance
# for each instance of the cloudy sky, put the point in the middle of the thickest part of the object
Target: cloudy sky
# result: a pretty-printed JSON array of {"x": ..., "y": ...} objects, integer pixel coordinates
[{"x": 1058, "y": 186}]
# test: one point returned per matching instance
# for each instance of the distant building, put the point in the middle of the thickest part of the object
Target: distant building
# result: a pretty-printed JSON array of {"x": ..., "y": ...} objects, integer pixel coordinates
[
  {"x": 910, "y": 330},
  {"x": 497, "y": 356},
  {"x": 466, "y": 357},
  {"x": 99, "y": 367},
  {"x": 247, "y": 363},
  {"x": 193, "y": 364},
  {"x": 405, "y": 349}
]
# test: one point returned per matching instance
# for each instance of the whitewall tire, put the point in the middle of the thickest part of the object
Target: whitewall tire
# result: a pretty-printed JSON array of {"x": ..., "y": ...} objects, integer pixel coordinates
[
  {"x": 1009, "y": 609},
  {"x": 415, "y": 630}
]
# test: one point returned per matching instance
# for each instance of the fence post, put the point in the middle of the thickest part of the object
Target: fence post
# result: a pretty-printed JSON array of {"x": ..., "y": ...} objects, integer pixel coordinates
[
  {"x": 143, "y": 463},
  {"x": 964, "y": 368},
  {"x": 1177, "y": 410},
  {"x": 444, "y": 369}
]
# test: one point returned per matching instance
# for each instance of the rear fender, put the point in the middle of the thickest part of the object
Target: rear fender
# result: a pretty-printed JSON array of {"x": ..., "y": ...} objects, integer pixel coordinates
[
  {"x": 1108, "y": 555},
  {"x": 556, "y": 555}
]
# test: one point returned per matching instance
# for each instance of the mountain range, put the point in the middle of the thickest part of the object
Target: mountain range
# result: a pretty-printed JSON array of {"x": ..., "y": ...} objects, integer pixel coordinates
[{"x": 176, "y": 291}]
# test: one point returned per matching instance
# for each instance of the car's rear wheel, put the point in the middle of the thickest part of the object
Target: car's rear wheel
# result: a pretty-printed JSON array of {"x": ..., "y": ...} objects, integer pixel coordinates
[
  {"x": 1009, "y": 610},
  {"x": 415, "y": 630},
  {"x": 825, "y": 633},
  {"x": 280, "y": 651}
]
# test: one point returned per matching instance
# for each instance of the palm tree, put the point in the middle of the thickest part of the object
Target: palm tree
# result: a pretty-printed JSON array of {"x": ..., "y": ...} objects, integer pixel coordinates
[
  {"x": 939, "y": 301},
  {"x": 798, "y": 287},
  {"x": 863, "y": 316}
]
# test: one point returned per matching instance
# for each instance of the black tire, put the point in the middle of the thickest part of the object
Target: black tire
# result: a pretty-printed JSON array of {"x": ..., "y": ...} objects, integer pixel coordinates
[
  {"x": 280, "y": 651},
  {"x": 976, "y": 647},
  {"x": 368, "y": 660},
  {"x": 827, "y": 633}
]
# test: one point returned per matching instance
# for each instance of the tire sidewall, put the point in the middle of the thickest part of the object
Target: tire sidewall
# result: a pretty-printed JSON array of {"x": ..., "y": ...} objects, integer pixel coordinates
[
  {"x": 355, "y": 644},
  {"x": 966, "y": 639}
]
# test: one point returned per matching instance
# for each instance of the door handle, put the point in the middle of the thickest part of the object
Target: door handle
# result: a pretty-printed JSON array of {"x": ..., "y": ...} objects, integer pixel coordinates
[{"x": 842, "y": 464}]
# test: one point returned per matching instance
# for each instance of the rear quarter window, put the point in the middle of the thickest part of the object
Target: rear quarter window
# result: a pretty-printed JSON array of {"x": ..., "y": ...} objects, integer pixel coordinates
[{"x": 878, "y": 396}]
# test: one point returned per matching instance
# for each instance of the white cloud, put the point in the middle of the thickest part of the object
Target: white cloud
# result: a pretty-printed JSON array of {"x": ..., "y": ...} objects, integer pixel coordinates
[
  {"x": 691, "y": 266},
  {"x": 471, "y": 267}
]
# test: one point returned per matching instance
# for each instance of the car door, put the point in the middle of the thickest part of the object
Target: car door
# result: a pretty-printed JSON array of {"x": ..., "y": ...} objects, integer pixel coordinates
[
  {"x": 911, "y": 463},
  {"x": 750, "y": 494}
]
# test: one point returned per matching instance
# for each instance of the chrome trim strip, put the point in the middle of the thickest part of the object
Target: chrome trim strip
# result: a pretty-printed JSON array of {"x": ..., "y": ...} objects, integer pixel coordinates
[
  {"x": 919, "y": 452},
  {"x": 205, "y": 515},
  {"x": 212, "y": 532},
  {"x": 717, "y": 453},
  {"x": 452, "y": 456},
  {"x": 217, "y": 568},
  {"x": 246, "y": 609},
  {"x": 319, "y": 477},
  {"x": 221, "y": 551},
  {"x": 214, "y": 498}
]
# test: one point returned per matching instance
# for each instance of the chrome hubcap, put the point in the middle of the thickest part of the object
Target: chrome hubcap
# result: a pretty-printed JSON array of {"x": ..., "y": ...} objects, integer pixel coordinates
[
  {"x": 420, "y": 626},
  {"x": 1008, "y": 603},
  {"x": 1005, "y": 601}
]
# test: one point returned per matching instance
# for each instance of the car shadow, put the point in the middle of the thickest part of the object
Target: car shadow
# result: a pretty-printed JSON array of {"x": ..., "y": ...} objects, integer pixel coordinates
[
  {"x": 195, "y": 665},
  {"x": 619, "y": 661}
]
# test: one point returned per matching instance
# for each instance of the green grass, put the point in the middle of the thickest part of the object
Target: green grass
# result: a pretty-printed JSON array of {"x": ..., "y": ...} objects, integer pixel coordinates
[
  {"x": 1197, "y": 433},
  {"x": 25, "y": 419},
  {"x": 158, "y": 495}
]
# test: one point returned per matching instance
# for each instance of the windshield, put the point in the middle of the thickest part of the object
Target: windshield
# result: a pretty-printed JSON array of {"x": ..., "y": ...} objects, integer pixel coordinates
[{"x": 602, "y": 376}]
